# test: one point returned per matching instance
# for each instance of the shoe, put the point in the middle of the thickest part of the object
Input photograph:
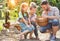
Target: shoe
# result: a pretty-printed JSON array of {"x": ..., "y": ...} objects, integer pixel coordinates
[{"x": 52, "y": 38}]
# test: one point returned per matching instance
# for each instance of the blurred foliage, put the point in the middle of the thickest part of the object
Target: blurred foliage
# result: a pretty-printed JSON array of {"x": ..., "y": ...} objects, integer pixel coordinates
[
  {"x": 55, "y": 3},
  {"x": 58, "y": 5},
  {"x": 13, "y": 14},
  {"x": 1, "y": 1}
]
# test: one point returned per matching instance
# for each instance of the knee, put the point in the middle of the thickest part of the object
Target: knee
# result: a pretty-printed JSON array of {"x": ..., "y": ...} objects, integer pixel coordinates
[
  {"x": 55, "y": 22},
  {"x": 31, "y": 28},
  {"x": 33, "y": 23},
  {"x": 42, "y": 30}
]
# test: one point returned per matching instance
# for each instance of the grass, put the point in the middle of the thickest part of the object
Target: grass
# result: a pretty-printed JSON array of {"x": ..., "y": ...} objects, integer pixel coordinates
[{"x": 1, "y": 24}]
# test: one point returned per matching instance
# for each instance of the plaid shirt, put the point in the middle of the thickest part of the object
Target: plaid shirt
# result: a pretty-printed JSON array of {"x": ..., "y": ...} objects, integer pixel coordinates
[{"x": 53, "y": 12}]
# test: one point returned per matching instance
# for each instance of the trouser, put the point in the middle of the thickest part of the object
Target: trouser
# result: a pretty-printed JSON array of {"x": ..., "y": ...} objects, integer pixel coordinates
[
  {"x": 24, "y": 28},
  {"x": 35, "y": 31},
  {"x": 51, "y": 23}
]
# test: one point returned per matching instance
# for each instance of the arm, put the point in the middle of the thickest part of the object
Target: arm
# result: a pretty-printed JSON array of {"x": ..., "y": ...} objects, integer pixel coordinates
[
  {"x": 24, "y": 21},
  {"x": 52, "y": 17},
  {"x": 29, "y": 19},
  {"x": 22, "y": 18},
  {"x": 55, "y": 14}
]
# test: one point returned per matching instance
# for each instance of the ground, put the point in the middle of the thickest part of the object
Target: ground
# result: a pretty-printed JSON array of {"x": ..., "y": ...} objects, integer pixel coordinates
[{"x": 42, "y": 36}]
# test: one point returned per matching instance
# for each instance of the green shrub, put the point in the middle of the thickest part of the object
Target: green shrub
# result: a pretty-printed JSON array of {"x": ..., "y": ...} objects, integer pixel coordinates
[{"x": 58, "y": 5}]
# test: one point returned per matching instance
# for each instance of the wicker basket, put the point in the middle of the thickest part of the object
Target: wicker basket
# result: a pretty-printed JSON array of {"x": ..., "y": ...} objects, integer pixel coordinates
[{"x": 42, "y": 21}]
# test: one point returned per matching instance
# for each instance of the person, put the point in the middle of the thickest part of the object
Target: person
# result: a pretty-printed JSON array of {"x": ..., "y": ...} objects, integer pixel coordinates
[
  {"x": 33, "y": 16},
  {"x": 24, "y": 19},
  {"x": 52, "y": 13}
]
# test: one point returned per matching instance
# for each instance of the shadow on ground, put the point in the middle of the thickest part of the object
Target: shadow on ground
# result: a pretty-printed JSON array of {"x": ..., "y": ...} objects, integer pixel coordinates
[
  {"x": 57, "y": 39},
  {"x": 36, "y": 40}
]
